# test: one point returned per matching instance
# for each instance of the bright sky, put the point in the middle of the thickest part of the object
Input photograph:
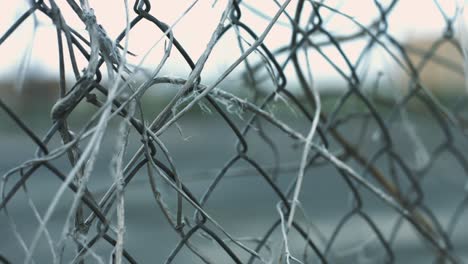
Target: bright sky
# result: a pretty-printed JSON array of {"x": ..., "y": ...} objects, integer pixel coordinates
[{"x": 410, "y": 19}]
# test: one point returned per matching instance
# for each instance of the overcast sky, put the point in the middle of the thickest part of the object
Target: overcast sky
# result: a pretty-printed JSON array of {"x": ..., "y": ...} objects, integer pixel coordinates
[{"x": 410, "y": 19}]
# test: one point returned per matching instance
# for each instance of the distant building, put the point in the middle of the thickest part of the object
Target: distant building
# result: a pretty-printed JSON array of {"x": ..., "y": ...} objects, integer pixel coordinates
[
  {"x": 35, "y": 92},
  {"x": 443, "y": 72}
]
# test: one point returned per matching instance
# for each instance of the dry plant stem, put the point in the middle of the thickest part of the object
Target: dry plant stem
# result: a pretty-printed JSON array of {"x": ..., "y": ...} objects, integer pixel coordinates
[
  {"x": 154, "y": 186},
  {"x": 90, "y": 152},
  {"x": 305, "y": 155},
  {"x": 153, "y": 183},
  {"x": 119, "y": 157},
  {"x": 286, "y": 253},
  {"x": 73, "y": 152},
  {"x": 178, "y": 223},
  {"x": 73, "y": 156},
  {"x": 177, "y": 226},
  {"x": 119, "y": 180}
]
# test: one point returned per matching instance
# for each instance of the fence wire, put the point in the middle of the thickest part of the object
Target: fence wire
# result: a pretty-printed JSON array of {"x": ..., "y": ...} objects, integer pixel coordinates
[{"x": 374, "y": 173}]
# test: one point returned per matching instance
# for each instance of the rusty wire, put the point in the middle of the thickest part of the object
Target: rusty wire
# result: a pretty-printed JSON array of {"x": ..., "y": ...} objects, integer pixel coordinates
[{"x": 385, "y": 175}]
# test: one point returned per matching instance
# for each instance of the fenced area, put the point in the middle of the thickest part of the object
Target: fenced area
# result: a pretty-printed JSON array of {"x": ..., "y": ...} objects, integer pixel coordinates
[{"x": 253, "y": 160}]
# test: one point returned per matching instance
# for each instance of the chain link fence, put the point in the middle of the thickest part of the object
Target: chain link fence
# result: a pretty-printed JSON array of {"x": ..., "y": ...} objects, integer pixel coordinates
[{"x": 279, "y": 169}]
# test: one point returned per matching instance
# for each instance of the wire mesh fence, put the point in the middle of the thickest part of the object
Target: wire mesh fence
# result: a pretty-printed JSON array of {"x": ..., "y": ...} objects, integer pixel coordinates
[{"x": 276, "y": 171}]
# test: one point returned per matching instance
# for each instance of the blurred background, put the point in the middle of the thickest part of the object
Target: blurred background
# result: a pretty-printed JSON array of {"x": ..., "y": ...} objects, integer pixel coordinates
[{"x": 426, "y": 127}]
